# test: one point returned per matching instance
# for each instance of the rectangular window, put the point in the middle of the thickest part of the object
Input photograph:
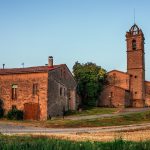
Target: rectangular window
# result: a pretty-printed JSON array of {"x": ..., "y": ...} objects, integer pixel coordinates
[
  {"x": 35, "y": 89},
  {"x": 14, "y": 91},
  {"x": 61, "y": 91},
  {"x": 111, "y": 94}
]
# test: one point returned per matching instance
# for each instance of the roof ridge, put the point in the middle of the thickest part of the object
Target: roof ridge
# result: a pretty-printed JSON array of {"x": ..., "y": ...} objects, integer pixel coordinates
[
  {"x": 118, "y": 71},
  {"x": 33, "y": 69}
]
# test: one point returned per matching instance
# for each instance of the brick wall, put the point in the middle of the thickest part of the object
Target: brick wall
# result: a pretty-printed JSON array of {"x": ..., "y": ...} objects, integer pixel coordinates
[
  {"x": 119, "y": 79},
  {"x": 24, "y": 84},
  {"x": 114, "y": 97},
  {"x": 136, "y": 67},
  {"x": 147, "y": 93}
]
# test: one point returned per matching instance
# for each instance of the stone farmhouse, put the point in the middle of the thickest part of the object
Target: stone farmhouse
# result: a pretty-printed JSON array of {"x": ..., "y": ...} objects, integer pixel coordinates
[
  {"x": 129, "y": 89},
  {"x": 41, "y": 92}
]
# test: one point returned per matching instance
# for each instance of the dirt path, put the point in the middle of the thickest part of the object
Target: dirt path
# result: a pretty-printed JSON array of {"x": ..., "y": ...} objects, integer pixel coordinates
[
  {"x": 135, "y": 132},
  {"x": 12, "y": 129}
]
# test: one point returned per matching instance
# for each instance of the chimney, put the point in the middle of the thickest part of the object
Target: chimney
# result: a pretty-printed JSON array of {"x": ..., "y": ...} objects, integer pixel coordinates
[
  {"x": 3, "y": 66},
  {"x": 50, "y": 61}
]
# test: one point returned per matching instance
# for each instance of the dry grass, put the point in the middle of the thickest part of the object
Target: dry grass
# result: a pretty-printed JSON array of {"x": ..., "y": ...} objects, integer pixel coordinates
[
  {"x": 141, "y": 135},
  {"x": 110, "y": 136}
]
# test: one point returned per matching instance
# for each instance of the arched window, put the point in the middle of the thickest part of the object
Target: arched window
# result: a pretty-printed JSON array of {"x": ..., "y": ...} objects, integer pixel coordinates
[{"x": 134, "y": 44}]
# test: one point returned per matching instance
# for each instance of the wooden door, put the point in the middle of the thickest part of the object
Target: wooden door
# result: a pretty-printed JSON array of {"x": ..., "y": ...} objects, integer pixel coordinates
[{"x": 31, "y": 111}]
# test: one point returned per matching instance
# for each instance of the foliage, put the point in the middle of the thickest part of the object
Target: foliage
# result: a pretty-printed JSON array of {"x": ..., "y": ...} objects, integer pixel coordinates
[
  {"x": 44, "y": 143},
  {"x": 90, "y": 79},
  {"x": 1, "y": 108},
  {"x": 15, "y": 114}
]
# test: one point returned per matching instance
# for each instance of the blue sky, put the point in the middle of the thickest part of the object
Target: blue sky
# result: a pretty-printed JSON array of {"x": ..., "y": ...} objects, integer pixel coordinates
[{"x": 70, "y": 30}]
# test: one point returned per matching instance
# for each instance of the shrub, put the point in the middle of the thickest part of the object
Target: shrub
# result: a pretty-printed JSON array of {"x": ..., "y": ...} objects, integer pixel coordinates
[
  {"x": 15, "y": 114},
  {"x": 1, "y": 108}
]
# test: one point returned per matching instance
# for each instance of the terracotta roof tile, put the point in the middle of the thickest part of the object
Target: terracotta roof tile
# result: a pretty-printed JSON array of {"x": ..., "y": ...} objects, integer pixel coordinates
[{"x": 35, "y": 69}]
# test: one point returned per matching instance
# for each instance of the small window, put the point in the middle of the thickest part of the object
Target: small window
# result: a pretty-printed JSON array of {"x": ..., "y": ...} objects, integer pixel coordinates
[
  {"x": 14, "y": 91},
  {"x": 135, "y": 92},
  {"x": 35, "y": 89},
  {"x": 134, "y": 44},
  {"x": 111, "y": 94},
  {"x": 61, "y": 91},
  {"x": 130, "y": 75}
]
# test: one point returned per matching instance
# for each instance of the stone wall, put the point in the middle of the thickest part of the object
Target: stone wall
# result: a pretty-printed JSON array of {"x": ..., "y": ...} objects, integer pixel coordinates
[
  {"x": 137, "y": 87},
  {"x": 119, "y": 79},
  {"x": 24, "y": 84},
  {"x": 113, "y": 96},
  {"x": 147, "y": 93},
  {"x": 61, "y": 86},
  {"x": 136, "y": 67}
]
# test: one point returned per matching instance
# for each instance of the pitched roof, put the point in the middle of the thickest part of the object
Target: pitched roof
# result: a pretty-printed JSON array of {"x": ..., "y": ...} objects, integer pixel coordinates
[
  {"x": 118, "y": 71},
  {"x": 36, "y": 69},
  {"x": 110, "y": 85}
]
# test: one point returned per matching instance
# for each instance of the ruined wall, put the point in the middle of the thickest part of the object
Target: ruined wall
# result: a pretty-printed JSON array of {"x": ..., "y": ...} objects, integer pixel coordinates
[{"x": 24, "y": 84}]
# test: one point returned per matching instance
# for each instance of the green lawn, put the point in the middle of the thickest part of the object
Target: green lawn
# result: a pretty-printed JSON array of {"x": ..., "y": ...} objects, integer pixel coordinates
[
  {"x": 110, "y": 121},
  {"x": 141, "y": 117},
  {"x": 93, "y": 111},
  {"x": 44, "y": 143}
]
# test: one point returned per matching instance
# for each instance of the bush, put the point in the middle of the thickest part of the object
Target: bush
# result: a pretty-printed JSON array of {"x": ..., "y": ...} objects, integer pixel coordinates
[
  {"x": 1, "y": 108},
  {"x": 15, "y": 114}
]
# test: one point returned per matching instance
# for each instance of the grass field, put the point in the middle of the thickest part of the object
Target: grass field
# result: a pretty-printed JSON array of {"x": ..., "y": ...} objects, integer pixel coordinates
[
  {"x": 110, "y": 121},
  {"x": 142, "y": 117},
  {"x": 44, "y": 143},
  {"x": 92, "y": 111}
]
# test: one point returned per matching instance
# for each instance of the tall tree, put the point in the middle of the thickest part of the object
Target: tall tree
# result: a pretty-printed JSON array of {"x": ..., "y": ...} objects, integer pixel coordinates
[{"x": 90, "y": 79}]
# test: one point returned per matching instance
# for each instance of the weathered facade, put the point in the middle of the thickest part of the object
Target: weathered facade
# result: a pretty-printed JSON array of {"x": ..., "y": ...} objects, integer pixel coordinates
[
  {"x": 41, "y": 92},
  {"x": 129, "y": 89}
]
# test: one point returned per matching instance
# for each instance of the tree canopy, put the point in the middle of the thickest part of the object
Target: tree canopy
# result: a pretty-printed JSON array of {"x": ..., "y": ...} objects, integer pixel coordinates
[{"x": 90, "y": 79}]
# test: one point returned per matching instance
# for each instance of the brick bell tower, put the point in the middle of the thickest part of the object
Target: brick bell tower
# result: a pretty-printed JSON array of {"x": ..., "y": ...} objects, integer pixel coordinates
[{"x": 136, "y": 65}]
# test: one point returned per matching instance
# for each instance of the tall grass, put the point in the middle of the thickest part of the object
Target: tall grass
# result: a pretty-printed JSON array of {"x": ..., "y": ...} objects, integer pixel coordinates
[{"x": 43, "y": 143}]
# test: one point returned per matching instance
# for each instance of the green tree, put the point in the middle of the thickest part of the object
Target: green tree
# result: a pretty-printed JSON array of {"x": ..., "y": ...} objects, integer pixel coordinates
[{"x": 90, "y": 79}]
